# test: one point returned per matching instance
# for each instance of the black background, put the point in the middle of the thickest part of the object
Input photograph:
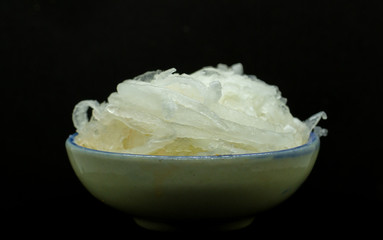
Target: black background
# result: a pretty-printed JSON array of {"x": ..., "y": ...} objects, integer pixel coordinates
[{"x": 323, "y": 55}]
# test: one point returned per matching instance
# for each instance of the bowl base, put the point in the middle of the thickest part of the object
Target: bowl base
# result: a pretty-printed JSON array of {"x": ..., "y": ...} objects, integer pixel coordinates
[{"x": 159, "y": 225}]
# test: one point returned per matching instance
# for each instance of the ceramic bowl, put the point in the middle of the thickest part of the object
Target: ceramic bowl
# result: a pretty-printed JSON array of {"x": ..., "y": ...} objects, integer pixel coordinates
[{"x": 212, "y": 192}]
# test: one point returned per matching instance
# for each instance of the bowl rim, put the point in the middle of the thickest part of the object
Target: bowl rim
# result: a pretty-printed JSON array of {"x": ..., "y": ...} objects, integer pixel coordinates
[{"x": 312, "y": 144}]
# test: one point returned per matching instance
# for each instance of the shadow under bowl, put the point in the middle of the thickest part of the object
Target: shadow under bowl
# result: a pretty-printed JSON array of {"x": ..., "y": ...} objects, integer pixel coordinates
[{"x": 193, "y": 192}]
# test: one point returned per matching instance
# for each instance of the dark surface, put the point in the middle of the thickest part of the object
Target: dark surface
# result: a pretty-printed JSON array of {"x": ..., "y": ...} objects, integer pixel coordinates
[{"x": 323, "y": 55}]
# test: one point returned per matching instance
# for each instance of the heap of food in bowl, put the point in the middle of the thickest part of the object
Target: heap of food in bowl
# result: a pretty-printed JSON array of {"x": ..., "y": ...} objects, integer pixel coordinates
[
  {"x": 177, "y": 151},
  {"x": 212, "y": 111}
]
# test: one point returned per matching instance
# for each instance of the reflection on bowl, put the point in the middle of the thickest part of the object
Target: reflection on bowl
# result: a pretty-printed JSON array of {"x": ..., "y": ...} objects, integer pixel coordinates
[{"x": 179, "y": 192}]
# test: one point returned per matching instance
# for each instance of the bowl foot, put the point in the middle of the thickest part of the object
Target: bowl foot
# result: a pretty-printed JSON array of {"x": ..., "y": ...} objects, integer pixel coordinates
[{"x": 159, "y": 225}]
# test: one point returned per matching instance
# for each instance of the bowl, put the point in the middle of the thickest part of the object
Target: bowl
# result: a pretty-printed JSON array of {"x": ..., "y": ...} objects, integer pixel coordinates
[{"x": 220, "y": 192}]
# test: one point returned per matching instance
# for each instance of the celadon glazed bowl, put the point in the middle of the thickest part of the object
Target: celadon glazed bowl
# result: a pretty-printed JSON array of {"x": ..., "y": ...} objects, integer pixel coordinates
[{"x": 222, "y": 192}]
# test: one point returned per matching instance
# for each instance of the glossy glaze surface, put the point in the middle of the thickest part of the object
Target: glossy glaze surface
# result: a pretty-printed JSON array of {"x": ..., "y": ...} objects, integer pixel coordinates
[{"x": 208, "y": 188}]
